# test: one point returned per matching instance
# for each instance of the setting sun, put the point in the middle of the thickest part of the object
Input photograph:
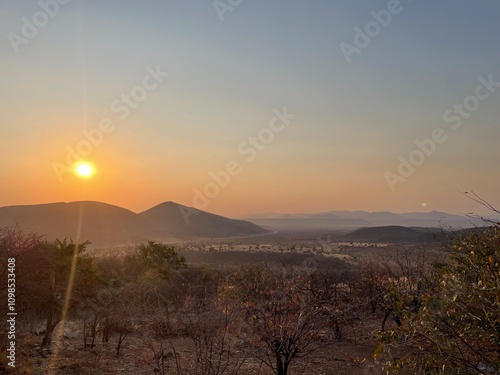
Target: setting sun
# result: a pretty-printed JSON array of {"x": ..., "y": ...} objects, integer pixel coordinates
[
  {"x": 322, "y": 176},
  {"x": 84, "y": 170}
]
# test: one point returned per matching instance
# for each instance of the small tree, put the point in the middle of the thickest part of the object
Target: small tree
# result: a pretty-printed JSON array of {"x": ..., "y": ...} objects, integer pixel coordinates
[
  {"x": 281, "y": 314},
  {"x": 61, "y": 256},
  {"x": 43, "y": 269},
  {"x": 207, "y": 326},
  {"x": 161, "y": 258}
]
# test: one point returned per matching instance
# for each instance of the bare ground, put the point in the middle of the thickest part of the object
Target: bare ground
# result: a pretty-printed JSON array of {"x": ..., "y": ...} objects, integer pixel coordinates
[{"x": 352, "y": 355}]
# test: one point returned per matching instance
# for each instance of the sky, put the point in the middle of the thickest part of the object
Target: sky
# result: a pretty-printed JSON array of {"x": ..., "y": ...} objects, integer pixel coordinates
[{"x": 240, "y": 107}]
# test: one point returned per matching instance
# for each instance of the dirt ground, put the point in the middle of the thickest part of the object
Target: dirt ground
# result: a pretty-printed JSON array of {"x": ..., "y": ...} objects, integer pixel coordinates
[{"x": 352, "y": 355}]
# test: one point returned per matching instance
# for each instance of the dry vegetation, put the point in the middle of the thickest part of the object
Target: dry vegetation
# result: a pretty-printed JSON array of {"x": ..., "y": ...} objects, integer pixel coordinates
[{"x": 256, "y": 306}]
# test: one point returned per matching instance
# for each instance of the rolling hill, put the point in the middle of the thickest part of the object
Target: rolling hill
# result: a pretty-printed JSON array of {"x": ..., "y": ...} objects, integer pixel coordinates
[
  {"x": 107, "y": 225},
  {"x": 390, "y": 234},
  {"x": 185, "y": 222}
]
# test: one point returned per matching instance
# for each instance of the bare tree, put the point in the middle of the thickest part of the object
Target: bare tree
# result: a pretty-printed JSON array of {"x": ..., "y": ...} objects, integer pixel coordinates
[{"x": 283, "y": 319}]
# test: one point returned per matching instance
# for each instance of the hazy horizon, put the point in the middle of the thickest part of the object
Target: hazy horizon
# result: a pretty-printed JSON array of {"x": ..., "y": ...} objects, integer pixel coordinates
[
  {"x": 163, "y": 98},
  {"x": 269, "y": 214}
]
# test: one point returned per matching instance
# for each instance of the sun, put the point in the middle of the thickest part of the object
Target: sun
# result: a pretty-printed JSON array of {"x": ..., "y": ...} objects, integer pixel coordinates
[{"x": 84, "y": 170}]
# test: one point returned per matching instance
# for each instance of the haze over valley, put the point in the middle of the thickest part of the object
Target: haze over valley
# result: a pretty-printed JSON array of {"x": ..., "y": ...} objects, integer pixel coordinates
[
  {"x": 237, "y": 187},
  {"x": 107, "y": 225}
]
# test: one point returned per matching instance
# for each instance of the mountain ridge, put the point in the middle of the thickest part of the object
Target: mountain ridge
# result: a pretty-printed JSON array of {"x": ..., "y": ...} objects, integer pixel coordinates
[
  {"x": 105, "y": 224},
  {"x": 358, "y": 219}
]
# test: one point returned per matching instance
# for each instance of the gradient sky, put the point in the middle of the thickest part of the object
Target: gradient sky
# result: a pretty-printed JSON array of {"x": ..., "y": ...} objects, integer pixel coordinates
[{"x": 352, "y": 122}]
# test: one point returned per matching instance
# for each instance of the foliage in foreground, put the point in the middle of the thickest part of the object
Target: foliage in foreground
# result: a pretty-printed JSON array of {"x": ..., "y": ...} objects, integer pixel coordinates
[
  {"x": 447, "y": 315},
  {"x": 457, "y": 328}
]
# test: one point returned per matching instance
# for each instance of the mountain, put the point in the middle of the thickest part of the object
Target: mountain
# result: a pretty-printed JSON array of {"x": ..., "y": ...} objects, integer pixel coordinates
[
  {"x": 101, "y": 223},
  {"x": 359, "y": 219},
  {"x": 107, "y": 225},
  {"x": 185, "y": 222}
]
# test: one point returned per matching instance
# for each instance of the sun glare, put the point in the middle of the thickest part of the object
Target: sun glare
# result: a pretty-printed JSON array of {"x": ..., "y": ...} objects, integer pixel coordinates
[{"x": 84, "y": 170}]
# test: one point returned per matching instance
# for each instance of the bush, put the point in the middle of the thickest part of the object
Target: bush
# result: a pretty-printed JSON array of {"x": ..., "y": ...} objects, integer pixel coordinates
[
  {"x": 161, "y": 258},
  {"x": 457, "y": 330}
]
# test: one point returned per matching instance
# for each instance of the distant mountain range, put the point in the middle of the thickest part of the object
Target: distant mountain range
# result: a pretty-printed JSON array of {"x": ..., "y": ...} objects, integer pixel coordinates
[
  {"x": 358, "y": 219},
  {"x": 107, "y": 225}
]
